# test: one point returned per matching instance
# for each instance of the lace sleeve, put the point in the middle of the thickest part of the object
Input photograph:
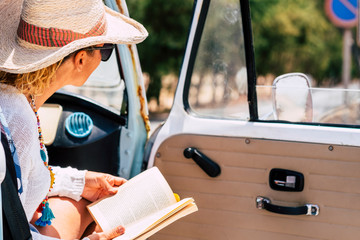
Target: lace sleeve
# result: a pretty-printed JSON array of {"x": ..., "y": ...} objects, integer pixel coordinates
[{"x": 69, "y": 182}]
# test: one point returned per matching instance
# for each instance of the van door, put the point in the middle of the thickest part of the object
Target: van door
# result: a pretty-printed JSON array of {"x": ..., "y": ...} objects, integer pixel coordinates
[{"x": 253, "y": 172}]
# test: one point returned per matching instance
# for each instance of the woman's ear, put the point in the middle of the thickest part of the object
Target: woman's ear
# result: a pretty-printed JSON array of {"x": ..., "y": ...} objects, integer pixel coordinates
[{"x": 79, "y": 60}]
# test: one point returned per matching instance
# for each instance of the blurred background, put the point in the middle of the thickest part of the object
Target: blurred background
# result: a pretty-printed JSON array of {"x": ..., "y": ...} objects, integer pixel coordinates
[{"x": 314, "y": 45}]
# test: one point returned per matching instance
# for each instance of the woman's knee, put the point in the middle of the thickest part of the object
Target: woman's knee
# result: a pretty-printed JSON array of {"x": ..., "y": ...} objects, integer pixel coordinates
[{"x": 71, "y": 218}]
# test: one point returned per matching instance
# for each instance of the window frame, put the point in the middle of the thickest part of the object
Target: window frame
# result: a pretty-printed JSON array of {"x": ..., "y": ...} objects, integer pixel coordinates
[{"x": 249, "y": 56}]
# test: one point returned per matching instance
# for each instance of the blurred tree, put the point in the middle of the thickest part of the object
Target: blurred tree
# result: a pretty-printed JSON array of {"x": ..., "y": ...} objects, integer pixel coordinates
[
  {"x": 296, "y": 36},
  {"x": 289, "y": 36},
  {"x": 167, "y": 22}
]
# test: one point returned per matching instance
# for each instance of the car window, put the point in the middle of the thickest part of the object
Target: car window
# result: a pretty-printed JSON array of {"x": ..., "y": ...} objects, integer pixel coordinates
[
  {"x": 218, "y": 85},
  {"x": 287, "y": 40},
  {"x": 104, "y": 85}
]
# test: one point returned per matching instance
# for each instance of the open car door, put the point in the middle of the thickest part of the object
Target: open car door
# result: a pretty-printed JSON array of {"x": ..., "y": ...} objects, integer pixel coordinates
[{"x": 254, "y": 172}]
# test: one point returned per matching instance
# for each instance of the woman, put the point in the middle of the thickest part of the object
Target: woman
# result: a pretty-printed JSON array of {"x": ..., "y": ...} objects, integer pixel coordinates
[{"x": 46, "y": 45}]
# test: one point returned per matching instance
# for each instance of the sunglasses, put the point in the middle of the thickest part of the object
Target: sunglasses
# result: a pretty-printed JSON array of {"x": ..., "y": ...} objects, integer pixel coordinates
[{"x": 105, "y": 50}]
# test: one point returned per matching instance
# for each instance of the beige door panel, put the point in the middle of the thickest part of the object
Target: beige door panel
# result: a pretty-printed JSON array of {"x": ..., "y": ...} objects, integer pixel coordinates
[{"x": 227, "y": 208}]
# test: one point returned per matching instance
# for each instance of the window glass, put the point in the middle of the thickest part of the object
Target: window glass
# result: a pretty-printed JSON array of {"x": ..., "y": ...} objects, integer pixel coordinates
[
  {"x": 297, "y": 36},
  {"x": 219, "y": 80},
  {"x": 324, "y": 105},
  {"x": 104, "y": 85}
]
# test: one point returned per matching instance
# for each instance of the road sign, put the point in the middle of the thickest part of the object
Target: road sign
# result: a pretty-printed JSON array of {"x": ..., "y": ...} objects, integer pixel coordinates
[{"x": 343, "y": 13}]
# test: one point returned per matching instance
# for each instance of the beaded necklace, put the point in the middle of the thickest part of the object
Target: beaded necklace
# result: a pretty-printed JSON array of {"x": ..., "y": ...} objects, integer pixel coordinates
[{"x": 43, "y": 208}]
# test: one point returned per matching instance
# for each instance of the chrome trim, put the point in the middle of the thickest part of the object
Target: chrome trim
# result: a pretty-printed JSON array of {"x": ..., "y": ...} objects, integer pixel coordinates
[
  {"x": 312, "y": 210},
  {"x": 280, "y": 183},
  {"x": 260, "y": 202}
]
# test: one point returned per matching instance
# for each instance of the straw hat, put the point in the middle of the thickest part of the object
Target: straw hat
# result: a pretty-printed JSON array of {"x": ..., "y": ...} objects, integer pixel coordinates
[{"x": 37, "y": 33}]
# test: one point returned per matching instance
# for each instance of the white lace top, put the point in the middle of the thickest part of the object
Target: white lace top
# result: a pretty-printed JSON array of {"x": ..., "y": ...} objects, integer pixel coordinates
[{"x": 35, "y": 176}]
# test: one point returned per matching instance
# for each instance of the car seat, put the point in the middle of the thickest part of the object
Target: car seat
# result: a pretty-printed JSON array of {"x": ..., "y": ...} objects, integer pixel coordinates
[{"x": 14, "y": 223}]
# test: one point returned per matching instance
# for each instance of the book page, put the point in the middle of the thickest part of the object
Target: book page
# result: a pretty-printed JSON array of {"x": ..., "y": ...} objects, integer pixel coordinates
[
  {"x": 141, "y": 196},
  {"x": 185, "y": 211},
  {"x": 156, "y": 220}
]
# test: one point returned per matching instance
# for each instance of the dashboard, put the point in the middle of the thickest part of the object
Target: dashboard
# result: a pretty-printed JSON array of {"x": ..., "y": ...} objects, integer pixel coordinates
[{"x": 99, "y": 151}]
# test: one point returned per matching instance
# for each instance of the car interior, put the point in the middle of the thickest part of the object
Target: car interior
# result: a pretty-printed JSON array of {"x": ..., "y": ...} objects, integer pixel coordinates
[{"x": 97, "y": 151}]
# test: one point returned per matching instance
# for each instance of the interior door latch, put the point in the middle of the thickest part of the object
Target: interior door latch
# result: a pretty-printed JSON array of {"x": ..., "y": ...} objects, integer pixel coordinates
[{"x": 286, "y": 180}]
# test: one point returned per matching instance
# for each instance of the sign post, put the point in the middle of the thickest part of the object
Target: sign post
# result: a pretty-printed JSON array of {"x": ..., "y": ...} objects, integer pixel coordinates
[{"x": 344, "y": 14}]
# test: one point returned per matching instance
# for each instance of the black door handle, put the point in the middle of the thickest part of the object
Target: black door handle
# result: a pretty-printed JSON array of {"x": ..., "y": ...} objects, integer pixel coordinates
[
  {"x": 307, "y": 209},
  {"x": 210, "y": 167}
]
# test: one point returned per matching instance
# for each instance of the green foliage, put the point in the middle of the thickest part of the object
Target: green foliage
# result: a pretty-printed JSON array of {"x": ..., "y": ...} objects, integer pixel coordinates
[
  {"x": 222, "y": 39},
  {"x": 295, "y": 36},
  {"x": 289, "y": 36},
  {"x": 167, "y": 22}
]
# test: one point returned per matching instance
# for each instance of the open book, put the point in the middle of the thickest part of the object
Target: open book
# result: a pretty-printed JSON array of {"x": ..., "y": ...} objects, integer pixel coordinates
[{"x": 143, "y": 205}]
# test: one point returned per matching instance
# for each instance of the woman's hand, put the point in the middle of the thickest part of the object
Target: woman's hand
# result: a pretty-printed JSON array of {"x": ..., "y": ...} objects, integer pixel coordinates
[
  {"x": 106, "y": 235},
  {"x": 99, "y": 185}
]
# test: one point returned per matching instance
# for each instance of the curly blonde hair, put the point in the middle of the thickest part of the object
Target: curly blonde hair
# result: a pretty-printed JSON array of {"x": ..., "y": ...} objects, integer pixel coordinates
[{"x": 33, "y": 83}]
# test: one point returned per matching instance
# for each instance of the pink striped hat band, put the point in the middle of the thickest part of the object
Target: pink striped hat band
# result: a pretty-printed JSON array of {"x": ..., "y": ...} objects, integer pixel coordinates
[{"x": 55, "y": 37}]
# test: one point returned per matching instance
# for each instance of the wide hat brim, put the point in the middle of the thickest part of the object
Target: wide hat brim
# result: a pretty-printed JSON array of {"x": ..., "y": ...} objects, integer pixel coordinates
[{"x": 15, "y": 58}]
